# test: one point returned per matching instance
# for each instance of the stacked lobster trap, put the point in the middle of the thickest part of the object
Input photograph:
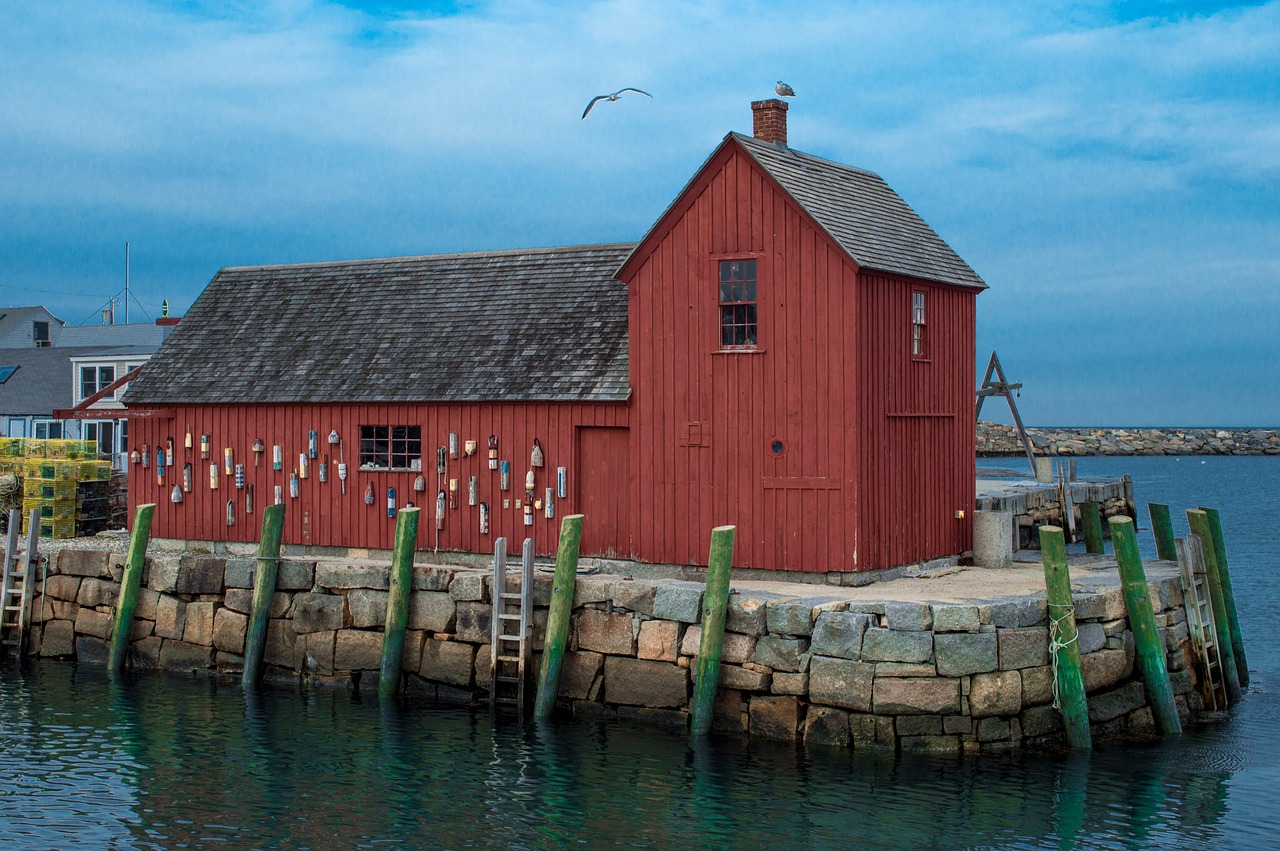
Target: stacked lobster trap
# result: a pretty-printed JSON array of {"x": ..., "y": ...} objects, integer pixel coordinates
[{"x": 63, "y": 481}]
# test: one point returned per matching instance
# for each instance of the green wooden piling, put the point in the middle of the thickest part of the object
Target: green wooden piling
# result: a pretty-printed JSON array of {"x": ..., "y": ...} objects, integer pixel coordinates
[
  {"x": 715, "y": 599},
  {"x": 1200, "y": 527},
  {"x": 1091, "y": 520},
  {"x": 1063, "y": 644},
  {"x": 127, "y": 601},
  {"x": 1162, "y": 526},
  {"x": 1228, "y": 594},
  {"x": 562, "y": 589},
  {"x": 398, "y": 601},
  {"x": 264, "y": 585},
  {"x": 1150, "y": 649}
]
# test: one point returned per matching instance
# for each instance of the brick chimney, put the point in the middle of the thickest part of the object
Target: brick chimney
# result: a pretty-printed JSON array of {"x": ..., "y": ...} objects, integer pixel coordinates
[{"x": 769, "y": 120}]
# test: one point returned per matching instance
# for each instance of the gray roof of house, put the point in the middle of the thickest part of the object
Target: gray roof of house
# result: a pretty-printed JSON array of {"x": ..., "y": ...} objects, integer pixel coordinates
[
  {"x": 134, "y": 334},
  {"x": 537, "y": 324},
  {"x": 44, "y": 380},
  {"x": 862, "y": 214}
]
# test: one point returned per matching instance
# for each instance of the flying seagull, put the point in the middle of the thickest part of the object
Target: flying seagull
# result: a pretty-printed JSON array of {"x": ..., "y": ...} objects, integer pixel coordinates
[
  {"x": 612, "y": 98},
  {"x": 784, "y": 91}
]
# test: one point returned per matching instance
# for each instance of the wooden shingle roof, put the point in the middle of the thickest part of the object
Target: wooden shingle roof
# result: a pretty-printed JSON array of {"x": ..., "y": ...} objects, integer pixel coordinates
[
  {"x": 862, "y": 214},
  {"x": 532, "y": 325}
]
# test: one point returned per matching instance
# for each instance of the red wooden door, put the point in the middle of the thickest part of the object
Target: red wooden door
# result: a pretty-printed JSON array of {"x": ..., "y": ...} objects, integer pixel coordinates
[{"x": 602, "y": 486}]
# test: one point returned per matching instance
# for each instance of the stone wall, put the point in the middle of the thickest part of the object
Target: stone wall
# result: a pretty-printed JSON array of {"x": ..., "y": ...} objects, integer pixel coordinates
[
  {"x": 995, "y": 439},
  {"x": 1033, "y": 505},
  {"x": 885, "y": 675}
]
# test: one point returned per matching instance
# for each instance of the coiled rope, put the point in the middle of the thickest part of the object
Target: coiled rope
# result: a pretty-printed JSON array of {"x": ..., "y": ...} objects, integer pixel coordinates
[
  {"x": 10, "y": 493},
  {"x": 1056, "y": 643}
]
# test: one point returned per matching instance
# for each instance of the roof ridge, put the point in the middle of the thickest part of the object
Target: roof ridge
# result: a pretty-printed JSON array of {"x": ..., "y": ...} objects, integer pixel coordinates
[
  {"x": 893, "y": 238},
  {"x": 779, "y": 149},
  {"x": 455, "y": 255}
]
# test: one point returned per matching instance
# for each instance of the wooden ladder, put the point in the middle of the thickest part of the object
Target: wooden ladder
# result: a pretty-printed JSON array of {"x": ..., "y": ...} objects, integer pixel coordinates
[
  {"x": 510, "y": 647},
  {"x": 1200, "y": 623},
  {"x": 16, "y": 585}
]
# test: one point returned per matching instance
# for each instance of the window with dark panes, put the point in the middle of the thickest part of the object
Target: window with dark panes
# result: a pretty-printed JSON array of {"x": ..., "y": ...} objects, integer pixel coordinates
[
  {"x": 48, "y": 429},
  {"x": 94, "y": 378},
  {"x": 737, "y": 304},
  {"x": 390, "y": 447},
  {"x": 918, "y": 339},
  {"x": 104, "y": 432}
]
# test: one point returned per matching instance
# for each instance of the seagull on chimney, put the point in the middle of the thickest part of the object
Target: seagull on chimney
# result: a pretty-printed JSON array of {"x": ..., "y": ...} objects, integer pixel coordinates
[
  {"x": 612, "y": 98},
  {"x": 784, "y": 91}
]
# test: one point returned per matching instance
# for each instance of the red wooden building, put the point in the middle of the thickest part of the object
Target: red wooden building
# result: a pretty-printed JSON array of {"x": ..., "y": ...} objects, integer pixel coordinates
[{"x": 789, "y": 349}]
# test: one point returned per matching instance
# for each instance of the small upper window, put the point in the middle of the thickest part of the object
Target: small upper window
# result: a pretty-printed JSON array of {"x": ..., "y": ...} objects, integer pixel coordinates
[
  {"x": 391, "y": 447},
  {"x": 737, "y": 304},
  {"x": 919, "y": 341},
  {"x": 40, "y": 333}
]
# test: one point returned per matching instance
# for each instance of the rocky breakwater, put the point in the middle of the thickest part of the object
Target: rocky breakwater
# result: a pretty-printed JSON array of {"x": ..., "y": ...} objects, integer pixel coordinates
[
  {"x": 995, "y": 439},
  {"x": 843, "y": 667}
]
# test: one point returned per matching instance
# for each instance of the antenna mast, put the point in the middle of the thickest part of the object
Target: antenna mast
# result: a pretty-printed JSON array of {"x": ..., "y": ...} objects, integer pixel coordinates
[{"x": 126, "y": 283}]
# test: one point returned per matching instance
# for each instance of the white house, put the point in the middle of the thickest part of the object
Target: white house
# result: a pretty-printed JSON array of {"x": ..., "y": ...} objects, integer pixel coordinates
[{"x": 48, "y": 366}]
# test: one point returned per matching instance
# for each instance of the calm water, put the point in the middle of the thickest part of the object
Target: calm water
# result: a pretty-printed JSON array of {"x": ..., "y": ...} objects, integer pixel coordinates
[{"x": 162, "y": 761}]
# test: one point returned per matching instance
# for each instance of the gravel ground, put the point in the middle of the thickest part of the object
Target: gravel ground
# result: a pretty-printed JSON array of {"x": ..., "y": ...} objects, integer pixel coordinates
[{"x": 113, "y": 542}]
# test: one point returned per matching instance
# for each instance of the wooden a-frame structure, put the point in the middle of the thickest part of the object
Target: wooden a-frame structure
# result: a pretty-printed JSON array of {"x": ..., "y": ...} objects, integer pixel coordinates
[{"x": 1000, "y": 386}]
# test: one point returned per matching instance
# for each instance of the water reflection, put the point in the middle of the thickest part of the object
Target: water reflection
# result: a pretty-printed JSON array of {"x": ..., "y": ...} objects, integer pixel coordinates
[{"x": 159, "y": 761}]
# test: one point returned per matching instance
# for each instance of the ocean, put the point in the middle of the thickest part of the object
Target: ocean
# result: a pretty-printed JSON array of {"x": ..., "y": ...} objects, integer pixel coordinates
[{"x": 172, "y": 761}]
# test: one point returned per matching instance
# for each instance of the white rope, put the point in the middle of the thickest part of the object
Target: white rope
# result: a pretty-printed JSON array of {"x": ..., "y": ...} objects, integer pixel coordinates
[{"x": 1056, "y": 643}]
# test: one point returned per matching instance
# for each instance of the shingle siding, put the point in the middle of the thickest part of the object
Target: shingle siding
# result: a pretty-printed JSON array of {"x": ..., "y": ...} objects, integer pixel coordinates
[{"x": 533, "y": 325}]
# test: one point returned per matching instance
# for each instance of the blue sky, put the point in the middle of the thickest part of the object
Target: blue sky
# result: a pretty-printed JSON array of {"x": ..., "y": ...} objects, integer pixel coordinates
[{"x": 1112, "y": 170}]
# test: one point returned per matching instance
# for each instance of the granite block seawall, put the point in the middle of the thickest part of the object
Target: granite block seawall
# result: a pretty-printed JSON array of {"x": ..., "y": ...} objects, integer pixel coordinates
[
  {"x": 995, "y": 439},
  {"x": 799, "y": 662}
]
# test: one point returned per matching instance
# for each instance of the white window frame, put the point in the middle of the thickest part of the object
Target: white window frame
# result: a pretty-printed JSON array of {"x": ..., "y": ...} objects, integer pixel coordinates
[
  {"x": 98, "y": 383},
  {"x": 96, "y": 426},
  {"x": 46, "y": 424},
  {"x": 919, "y": 326}
]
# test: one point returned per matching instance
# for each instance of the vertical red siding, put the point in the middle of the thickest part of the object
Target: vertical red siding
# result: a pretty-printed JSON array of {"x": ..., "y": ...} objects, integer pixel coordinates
[
  {"x": 703, "y": 420},
  {"x": 322, "y": 515},
  {"x": 878, "y": 448},
  {"x": 603, "y": 496},
  {"x": 917, "y": 422}
]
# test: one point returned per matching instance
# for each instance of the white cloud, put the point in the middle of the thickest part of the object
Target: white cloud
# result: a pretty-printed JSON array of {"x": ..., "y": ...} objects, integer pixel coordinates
[{"x": 1037, "y": 138}]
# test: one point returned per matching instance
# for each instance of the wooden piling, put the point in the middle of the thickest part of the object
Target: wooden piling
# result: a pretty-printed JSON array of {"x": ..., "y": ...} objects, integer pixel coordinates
[
  {"x": 1146, "y": 637},
  {"x": 398, "y": 601},
  {"x": 1162, "y": 527},
  {"x": 1228, "y": 594},
  {"x": 1199, "y": 522},
  {"x": 715, "y": 599},
  {"x": 558, "y": 618},
  {"x": 1091, "y": 521},
  {"x": 264, "y": 585},
  {"x": 1064, "y": 647},
  {"x": 130, "y": 582}
]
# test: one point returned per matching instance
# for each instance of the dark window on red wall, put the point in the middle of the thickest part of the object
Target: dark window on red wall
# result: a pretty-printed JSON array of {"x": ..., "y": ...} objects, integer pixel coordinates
[
  {"x": 391, "y": 447},
  {"x": 919, "y": 340},
  {"x": 737, "y": 304}
]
